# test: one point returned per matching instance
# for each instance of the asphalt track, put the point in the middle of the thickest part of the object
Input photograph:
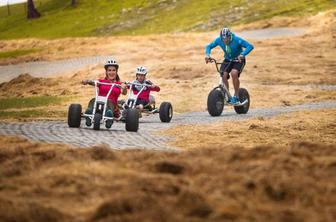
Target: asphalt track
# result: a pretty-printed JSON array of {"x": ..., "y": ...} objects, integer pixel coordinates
[{"x": 148, "y": 135}]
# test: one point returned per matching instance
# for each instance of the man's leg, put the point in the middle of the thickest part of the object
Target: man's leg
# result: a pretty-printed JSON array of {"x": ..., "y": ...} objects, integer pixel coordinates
[
  {"x": 235, "y": 81},
  {"x": 225, "y": 79}
]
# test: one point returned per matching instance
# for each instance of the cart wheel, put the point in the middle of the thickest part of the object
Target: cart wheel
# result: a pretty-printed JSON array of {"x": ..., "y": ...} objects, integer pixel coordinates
[
  {"x": 243, "y": 95},
  {"x": 132, "y": 120},
  {"x": 74, "y": 115},
  {"x": 215, "y": 102},
  {"x": 166, "y": 112},
  {"x": 96, "y": 121}
]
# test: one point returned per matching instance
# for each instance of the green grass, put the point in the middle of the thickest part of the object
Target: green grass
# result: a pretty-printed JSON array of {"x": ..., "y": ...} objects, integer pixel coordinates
[
  {"x": 31, "y": 102},
  {"x": 17, "y": 53},
  {"x": 36, "y": 113},
  {"x": 135, "y": 17}
]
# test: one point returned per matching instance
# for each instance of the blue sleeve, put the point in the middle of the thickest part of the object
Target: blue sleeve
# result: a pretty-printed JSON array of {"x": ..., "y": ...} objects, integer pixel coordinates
[
  {"x": 211, "y": 46},
  {"x": 248, "y": 47}
]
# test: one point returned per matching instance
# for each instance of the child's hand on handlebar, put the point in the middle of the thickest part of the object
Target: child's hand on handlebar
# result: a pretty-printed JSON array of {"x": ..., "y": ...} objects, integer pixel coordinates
[
  {"x": 85, "y": 82},
  {"x": 123, "y": 88},
  {"x": 123, "y": 85}
]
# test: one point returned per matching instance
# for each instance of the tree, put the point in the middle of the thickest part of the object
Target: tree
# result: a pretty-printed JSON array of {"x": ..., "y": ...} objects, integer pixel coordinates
[
  {"x": 73, "y": 2},
  {"x": 31, "y": 10}
]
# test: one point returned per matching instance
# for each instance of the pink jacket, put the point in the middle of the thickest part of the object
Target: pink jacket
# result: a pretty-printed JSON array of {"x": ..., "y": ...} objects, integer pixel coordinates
[{"x": 104, "y": 89}]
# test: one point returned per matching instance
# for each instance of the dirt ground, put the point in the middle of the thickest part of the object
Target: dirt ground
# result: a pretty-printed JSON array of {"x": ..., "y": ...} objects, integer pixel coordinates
[{"x": 277, "y": 168}]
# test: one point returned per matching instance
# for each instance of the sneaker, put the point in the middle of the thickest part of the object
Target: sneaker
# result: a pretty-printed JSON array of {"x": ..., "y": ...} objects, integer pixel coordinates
[
  {"x": 234, "y": 100},
  {"x": 108, "y": 123},
  {"x": 88, "y": 121}
]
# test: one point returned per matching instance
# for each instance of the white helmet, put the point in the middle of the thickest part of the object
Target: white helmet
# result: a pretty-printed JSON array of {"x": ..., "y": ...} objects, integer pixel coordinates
[
  {"x": 141, "y": 70},
  {"x": 111, "y": 62},
  {"x": 225, "y": 33}
]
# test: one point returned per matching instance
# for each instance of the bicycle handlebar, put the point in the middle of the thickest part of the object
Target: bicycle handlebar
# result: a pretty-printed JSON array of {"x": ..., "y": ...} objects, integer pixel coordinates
[
  {"x": 214, "y": 60},
  {"x": 211, "y": 60}
]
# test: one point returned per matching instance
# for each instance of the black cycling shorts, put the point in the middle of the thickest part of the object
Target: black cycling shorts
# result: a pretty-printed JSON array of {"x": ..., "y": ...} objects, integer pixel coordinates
[{"x": 227, "y": 67}]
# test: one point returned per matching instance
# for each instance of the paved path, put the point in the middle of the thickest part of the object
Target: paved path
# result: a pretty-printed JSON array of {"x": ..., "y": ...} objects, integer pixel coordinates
[
  {"x": 48, "y": 68},
  {"x": 145, "y": 138},
  {"x": 269, "y": 33}
]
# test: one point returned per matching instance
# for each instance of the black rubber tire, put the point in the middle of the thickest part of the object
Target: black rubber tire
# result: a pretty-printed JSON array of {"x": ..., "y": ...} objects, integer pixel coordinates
[
  {"x": 215, "y": 102},
  {"x": 132, "y": 120},
  {"x": 74, "y": 115},
  {"x": 243, "y": 95},
  {"x": 166, "y": 112},
  {"x": 96, "y": 121}
]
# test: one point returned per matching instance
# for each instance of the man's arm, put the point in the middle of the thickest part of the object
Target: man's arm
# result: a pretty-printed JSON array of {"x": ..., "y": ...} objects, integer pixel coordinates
[
  {"x": 209, "y": 47},
  {"x": 248, "y": 47}
]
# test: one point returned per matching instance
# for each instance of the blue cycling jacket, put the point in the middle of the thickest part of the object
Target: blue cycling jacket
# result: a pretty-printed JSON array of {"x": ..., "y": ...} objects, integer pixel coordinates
[{"x": 233, "y": 50}]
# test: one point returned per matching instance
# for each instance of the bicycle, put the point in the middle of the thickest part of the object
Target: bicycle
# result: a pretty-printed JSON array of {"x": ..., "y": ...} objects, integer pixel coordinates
[{"x": 220, "y": 96}]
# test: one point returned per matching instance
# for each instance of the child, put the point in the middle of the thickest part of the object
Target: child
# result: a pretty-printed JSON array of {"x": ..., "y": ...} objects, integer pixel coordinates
[
  {"x": 111, "y": 76},
  {"x": 143, "y": 98}
]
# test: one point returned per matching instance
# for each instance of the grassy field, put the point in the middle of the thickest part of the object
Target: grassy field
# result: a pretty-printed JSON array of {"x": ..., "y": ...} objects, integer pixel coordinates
[
  {"x": 28, "y": 102},
  {"x": 32, "y": 107},
  {"x": 35, "y": 113},
  {"x": 132, "y": 17},
  {"x": 17, "y": 53}
]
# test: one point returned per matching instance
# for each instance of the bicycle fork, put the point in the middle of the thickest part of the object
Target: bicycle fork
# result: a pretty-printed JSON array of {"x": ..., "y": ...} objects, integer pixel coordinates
[{"x": 226, "y": 91}]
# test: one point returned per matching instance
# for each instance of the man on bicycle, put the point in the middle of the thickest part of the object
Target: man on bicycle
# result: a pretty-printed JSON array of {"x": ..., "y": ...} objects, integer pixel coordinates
[{"x": 234, "y": 58}]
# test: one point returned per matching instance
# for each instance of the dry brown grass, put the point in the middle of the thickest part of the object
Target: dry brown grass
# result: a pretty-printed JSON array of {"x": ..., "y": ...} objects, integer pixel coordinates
[
  {"x": 312, "y": 126},
  {"x": 41, "y": 182}
]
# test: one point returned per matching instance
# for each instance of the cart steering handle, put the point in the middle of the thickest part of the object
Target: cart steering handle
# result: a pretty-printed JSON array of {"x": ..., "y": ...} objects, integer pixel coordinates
[
  {"x": 96, "y": 83},
  {"x": 138, "y": 84}
]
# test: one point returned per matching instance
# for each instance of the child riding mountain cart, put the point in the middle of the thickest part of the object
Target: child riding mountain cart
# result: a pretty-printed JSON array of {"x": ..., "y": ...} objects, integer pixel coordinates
[
  {"x": 139, "y": 97},
  {"x": 165, "y": 111}
]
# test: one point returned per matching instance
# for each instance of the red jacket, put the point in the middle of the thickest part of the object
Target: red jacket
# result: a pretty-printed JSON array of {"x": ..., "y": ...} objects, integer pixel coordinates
[
  {"x": 104, "y": 89},
  {"x": 145, "y": 93}
]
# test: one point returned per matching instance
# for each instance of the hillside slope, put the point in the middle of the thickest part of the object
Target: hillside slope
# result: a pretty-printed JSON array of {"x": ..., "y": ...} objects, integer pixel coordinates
[{"x": 132, "y": 17}]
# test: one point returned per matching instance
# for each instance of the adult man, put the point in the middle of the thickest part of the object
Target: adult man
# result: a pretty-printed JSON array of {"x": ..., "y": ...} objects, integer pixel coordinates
[{"x": 234, "y": 58}]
